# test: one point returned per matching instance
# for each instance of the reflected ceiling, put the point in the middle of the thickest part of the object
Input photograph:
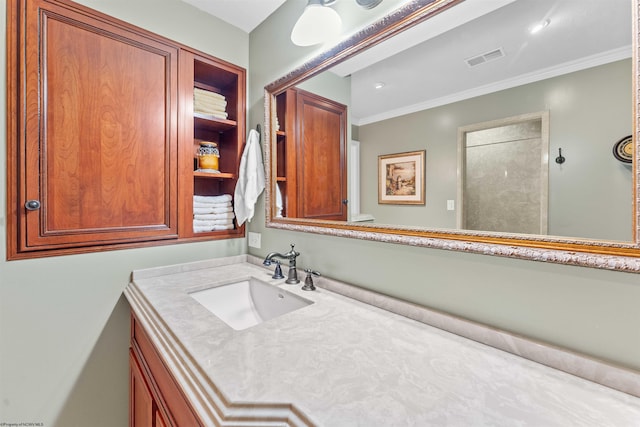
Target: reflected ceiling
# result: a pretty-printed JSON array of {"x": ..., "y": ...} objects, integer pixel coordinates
[{"x": 439, "y": 75}]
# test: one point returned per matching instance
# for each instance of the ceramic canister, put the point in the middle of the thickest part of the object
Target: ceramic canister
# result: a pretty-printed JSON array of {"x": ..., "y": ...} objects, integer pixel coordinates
[{"x": 208, "y": 156}]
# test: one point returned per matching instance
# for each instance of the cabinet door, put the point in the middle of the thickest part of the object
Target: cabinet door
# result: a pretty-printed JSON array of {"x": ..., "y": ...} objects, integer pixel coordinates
[
  {"x": 160, "y": 421},
  {"x": 142, "y": 408},
  {"x": 99, "y": 146},
  {"x": 172, "y": 406},
  {"x": 321, "y": 182}
]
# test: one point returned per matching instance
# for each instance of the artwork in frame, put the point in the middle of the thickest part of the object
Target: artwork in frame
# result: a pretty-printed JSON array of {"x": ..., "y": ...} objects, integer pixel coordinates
[{"x": 401, "y": 178}]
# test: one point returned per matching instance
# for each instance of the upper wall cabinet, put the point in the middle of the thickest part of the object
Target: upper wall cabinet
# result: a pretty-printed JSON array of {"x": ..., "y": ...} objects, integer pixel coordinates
[
  {"x": 311, "y": 156},
  {"x": 99, "y": 120}
]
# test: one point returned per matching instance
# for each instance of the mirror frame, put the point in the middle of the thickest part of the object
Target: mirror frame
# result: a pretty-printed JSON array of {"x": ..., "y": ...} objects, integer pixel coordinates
[{"x": 620, "y": 256}]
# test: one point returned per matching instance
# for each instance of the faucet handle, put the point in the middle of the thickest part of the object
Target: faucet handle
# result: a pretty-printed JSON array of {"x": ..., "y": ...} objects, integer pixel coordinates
[
  {"x": 277, "y": 273},
  {"x": 308, "y": 281}
]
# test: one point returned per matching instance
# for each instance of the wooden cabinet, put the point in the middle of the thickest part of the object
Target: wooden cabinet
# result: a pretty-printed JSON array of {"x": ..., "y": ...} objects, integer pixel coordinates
[
  {"x": 311, "y": 156},
  {"x": 98, "y": 138},
  {"x": 212, "y": 75},
  {"x": 155, "y": 398},
  {"x": 144, "y": 409},
  {"x": 101, "y": 131}
]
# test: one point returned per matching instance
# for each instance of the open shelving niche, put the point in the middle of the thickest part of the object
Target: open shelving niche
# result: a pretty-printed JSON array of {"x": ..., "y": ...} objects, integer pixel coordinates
[{"x": 228, "y": 80}]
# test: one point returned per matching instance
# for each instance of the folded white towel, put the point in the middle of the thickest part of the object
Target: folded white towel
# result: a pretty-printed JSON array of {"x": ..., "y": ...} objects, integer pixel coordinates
[
  {"x": 201, "y": 223},
  {"x": 211, "y": 204},
  {"x": 208, "y": 105},
  {"x": 212, "y": 115},
  {"x": 200, "y": 229},
  {"x": 205, "y": 202},
  {"x": 208, "y": 94},
  {"x": 212, "y": 218},
  {"x": 212, "y": 210},
  {"x": 212, "y": 102},
  {"x": 213, "y": 199},
  {"x": 206, "y": 112},
  {"x": 225, "y": 215},
  {"x": 213, "y": 108}
]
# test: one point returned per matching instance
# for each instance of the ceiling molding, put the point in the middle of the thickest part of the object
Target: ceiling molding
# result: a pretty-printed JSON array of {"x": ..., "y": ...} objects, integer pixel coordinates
[{"x": 543, "y": 74}]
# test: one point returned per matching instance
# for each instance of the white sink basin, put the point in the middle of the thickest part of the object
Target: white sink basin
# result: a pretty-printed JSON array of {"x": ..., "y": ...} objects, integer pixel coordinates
[{"x": 249, "y": 302}]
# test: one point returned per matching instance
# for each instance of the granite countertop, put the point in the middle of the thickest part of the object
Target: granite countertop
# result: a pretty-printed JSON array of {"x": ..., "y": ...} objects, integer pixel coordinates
[{"x": 340, "y": 362}]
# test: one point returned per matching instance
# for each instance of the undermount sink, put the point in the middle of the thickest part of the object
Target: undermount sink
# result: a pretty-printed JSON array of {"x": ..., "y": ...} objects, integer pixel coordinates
[{"x": 248, "y": 302}]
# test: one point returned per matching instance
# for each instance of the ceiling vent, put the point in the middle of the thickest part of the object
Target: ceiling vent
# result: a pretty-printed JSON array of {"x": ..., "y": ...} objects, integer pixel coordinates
[{"x": 485, "y": 57}]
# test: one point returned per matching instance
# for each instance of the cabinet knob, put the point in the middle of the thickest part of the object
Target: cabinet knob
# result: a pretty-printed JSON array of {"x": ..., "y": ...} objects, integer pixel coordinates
[
  {"x": 345, "y": 201},
  {"x": 32, "y": 205}
]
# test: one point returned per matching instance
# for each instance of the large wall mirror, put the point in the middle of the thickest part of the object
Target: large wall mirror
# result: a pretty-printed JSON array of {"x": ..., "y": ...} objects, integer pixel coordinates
[{"x": 530, "y": 138}]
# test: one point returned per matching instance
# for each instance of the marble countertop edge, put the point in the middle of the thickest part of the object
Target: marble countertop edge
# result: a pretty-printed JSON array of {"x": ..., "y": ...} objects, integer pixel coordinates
[
  {"x": 212, "y": 407},
  {"x": 166, "y": 270}
]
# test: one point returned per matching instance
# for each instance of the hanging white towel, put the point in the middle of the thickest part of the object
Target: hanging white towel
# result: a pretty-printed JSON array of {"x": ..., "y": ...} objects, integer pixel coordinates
[
  {"x": 250, "y": 179},
  {"x": 279, "y": 205}
]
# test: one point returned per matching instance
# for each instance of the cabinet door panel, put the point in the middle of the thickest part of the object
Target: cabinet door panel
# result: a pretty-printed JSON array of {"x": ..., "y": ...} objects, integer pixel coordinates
[
  {"x": 101, "y": 138},
  {"x": 142, "y": 407},
  {"x": 172, "y": 404},
  {"x": 321, "y": 159}
]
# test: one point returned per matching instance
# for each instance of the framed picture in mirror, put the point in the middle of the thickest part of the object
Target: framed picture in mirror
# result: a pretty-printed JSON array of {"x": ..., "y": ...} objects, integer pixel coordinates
[{"x": 401, "y": 178}]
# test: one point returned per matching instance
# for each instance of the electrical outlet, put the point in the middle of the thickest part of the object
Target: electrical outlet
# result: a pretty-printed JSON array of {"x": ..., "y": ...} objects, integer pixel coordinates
[
  {"x": 254, "y": 240},
  {"x": 451, "y": 205}
]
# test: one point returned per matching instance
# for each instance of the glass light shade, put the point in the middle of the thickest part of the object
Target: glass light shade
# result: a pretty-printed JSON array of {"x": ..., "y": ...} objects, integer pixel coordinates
[{"x": 317, "y": 24}]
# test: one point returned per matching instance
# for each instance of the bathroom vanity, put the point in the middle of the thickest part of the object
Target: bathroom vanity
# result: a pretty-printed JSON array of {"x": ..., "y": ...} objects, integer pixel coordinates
[{"x": 335, "y": 361}]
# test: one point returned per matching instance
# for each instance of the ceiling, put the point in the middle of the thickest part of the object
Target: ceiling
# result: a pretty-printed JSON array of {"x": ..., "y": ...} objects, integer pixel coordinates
[
  {"x": 244, "y": 14},
  {"x": 580, "y": 34},
  {"x": 425, "y": 66}
]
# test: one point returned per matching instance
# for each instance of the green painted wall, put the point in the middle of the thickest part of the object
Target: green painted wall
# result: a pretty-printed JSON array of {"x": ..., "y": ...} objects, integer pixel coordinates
[
  {"x": 586, "y": 310},
  {"x": 64, "y": 324}
]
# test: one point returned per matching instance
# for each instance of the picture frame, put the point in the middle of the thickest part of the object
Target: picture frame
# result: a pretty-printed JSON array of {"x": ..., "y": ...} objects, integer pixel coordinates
[{"x": 401, "y": 178}]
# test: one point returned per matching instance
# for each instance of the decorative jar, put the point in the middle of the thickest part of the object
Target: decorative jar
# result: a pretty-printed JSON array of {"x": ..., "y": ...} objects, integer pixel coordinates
[{"x": 208, "y": 157}]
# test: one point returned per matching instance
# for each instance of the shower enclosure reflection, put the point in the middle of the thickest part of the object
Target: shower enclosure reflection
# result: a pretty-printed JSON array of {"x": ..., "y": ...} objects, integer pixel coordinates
[{"x": 504, "y": 175}]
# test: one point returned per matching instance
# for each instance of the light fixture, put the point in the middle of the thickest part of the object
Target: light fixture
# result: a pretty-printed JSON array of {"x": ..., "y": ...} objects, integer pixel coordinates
[
  {"x": 379, "y": 85},
  {"x": 540, "y": 26},
  {"x": 320, "y": 23},
  {"x": 368, "y": 4},
  {"x": 317, "y": 24}
]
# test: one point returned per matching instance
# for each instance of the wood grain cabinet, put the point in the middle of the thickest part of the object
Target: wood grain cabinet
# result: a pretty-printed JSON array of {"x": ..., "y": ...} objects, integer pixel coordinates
[
  {"x": 155, "y": 399},
  {"x": 144, "y": 409},
  {"x": 100, "y": 118},
  {"x": 311, "y": 156}
]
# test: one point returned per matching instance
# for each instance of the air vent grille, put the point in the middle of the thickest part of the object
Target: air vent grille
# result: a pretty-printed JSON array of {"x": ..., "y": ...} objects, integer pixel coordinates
[{"x": 485, "y": 57}]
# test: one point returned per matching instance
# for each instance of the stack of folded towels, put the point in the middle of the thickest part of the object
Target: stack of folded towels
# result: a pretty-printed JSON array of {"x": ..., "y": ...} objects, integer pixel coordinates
[
  {"x": 209, "y": 103},
  {"x": 212, "y": 213}
]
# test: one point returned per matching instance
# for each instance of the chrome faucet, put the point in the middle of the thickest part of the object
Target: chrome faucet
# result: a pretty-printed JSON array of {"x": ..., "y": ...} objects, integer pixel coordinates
[{"x": 292, "y": 276}]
